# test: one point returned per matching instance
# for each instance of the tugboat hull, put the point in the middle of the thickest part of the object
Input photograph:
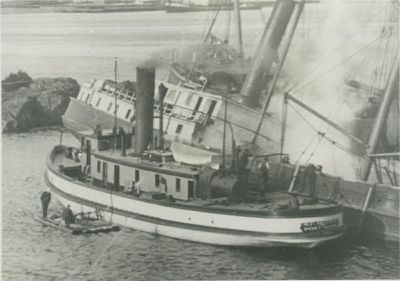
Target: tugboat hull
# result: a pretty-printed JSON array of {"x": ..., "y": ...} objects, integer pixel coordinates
[{"x": 198, "y": 224}]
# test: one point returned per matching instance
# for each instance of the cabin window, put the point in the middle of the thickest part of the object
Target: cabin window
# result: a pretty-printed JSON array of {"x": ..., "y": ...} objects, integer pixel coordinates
[
  {"x": 104, "y": 170},
  {"x": 116, "y": 177},
  {"x": 178, "y": 185},
  {"x": 137, "y": 175},
  {"x": 157, "y": 180},
  {"x": 212, "y": 107},
  {"x": 109, "y": 106},
  {"x": 98, "y": 102},
  {"x": 179, "y": 128},
  {"x": 128, "y": 113},
  {"x": 98, "y": 166},
  {"x": 168, "y": 108},
  {"x": 191, "y": 188},
  {"x": 197, "y": 107},
  {"x": 87, "y": 98},
  {"x": 188, "y": 99}
]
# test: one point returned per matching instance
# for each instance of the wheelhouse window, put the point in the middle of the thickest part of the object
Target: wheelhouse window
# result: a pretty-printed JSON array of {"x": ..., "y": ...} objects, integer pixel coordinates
[
  {"x": 178, "y": 185},
  {"x": 168, "y": 108},
  {"x": 128, "y": 113},
  {"x": 98, "y": 102},
  {"x": 188, "y": 99},
  {"x": 87, "y": 98},
  {"x": 179, "y": 128},
  {"x": 211, "y": 108},
  {"x": 109, "y": 106}
]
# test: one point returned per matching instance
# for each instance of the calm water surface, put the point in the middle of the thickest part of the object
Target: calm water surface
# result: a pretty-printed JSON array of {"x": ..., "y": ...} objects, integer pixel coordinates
[{"x": 34, "y": 252}]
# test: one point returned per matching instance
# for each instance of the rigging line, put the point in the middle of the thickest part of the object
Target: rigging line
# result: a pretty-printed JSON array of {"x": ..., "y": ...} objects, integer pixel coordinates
[
  {"x": 319, "y": 63},
  {"x": 305, "y": 149},
  {"x": 337, "y": 65},
  {"x": 340, "y": 99},
  {"x": 302, "y": 117},
  {"x": 341, "y": 146},
  {"x": 323, "y": 135}
]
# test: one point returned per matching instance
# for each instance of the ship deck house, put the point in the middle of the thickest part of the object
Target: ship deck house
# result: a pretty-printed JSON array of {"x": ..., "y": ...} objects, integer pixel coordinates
[{"x": 115, "y": 166}]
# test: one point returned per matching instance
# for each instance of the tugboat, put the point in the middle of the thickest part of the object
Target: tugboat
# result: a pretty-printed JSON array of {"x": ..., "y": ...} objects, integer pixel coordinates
[{"x": 234, "y": 200}]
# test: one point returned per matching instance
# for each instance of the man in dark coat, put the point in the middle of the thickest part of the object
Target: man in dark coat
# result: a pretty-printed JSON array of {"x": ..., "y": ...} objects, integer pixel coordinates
[
  {"x": 45, "y": 198},
  {"x": 68, "y": 216}
]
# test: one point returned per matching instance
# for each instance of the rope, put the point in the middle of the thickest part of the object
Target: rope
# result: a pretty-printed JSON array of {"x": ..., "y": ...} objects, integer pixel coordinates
[
  {"x": 335, "y": 66},
  {"x": 323, "y": 135},
  {"x": 320, "y": 62}
]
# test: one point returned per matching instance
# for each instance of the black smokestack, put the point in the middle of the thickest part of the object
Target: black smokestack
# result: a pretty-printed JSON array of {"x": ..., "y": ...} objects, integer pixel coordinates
[
  {"x": 267, "y": 51},
  {"x": 145, "y": 78},
  {"x": 162, "y": 91}
]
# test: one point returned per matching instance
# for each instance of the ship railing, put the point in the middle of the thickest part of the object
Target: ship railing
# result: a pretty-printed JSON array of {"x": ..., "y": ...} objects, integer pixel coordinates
[
  {"x": 125, "y": 94},
  {"x": 185, "y": 113}
]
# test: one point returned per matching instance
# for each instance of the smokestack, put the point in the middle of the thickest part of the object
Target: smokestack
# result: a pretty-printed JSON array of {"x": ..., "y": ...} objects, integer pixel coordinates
[
  {"x": 162, "y": 91},
  {"x": 145, "y": 78},
  {"x": 267, "y": 51}
]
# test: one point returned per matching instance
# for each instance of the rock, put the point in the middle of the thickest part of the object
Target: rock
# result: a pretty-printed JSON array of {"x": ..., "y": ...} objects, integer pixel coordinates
[{"x": 40, "y": 104}]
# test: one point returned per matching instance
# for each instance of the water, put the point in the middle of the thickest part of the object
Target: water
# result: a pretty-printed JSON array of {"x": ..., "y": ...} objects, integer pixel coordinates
[
  {"x": 34, "y": 252},
  {"x": 83, "y": 46}
]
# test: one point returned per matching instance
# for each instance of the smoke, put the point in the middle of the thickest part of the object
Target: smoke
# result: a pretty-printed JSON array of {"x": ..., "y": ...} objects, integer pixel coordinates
[
  {"x": 324, "y": 54},
  {"x": 160, "y": 59}
]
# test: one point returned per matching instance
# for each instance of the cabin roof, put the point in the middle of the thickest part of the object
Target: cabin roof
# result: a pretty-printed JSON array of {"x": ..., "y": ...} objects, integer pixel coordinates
[{"x": 133, "y": 160}]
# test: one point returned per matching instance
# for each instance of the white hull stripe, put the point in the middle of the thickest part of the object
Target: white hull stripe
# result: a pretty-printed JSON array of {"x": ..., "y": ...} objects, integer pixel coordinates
[{"x": 316, "y": 235}]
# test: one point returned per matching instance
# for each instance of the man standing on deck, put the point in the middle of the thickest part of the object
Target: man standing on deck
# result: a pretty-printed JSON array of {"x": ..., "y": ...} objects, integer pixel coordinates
[
  {"x": 263, "y": 169},
  {"x": 309, "y": 180},
  {"x": 45, "y": 198}
]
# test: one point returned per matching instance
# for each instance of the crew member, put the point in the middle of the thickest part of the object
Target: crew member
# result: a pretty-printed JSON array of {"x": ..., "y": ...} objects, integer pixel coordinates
[
  {"x": 45, "y": 198},
  {"x": 263, "y": 169},
  {"x": 68, "y": 216},
  {"x": 138, "y": 187},
  {"x": 163, "y": 185},
  {"x": 293, "y": 203},
  {"x": 310, "y": 178}
]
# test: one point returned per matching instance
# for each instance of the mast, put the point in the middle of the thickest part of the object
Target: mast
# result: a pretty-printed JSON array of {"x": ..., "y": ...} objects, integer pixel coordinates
[
  {"x": 391, "y": 90},
  {"x": 239, "y": 28},
  {"x": 115, "y": 102},
  {"x": 224, "y": 132}
]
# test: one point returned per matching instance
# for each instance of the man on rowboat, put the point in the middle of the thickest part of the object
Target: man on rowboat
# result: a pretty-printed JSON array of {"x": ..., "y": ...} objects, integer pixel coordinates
[{"x": 68, "y": 216}]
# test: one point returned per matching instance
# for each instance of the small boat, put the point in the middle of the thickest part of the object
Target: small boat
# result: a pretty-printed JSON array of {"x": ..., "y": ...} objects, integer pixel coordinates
[{"x": 83, "y": 226}]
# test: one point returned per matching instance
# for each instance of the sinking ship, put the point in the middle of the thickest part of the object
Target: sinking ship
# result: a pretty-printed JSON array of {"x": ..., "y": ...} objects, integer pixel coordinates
[{"x": 193, "y": 108}]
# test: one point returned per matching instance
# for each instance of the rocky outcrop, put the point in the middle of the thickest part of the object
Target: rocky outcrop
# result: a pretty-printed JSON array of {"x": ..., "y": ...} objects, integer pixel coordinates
[{"x": 40, "y": 104}]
